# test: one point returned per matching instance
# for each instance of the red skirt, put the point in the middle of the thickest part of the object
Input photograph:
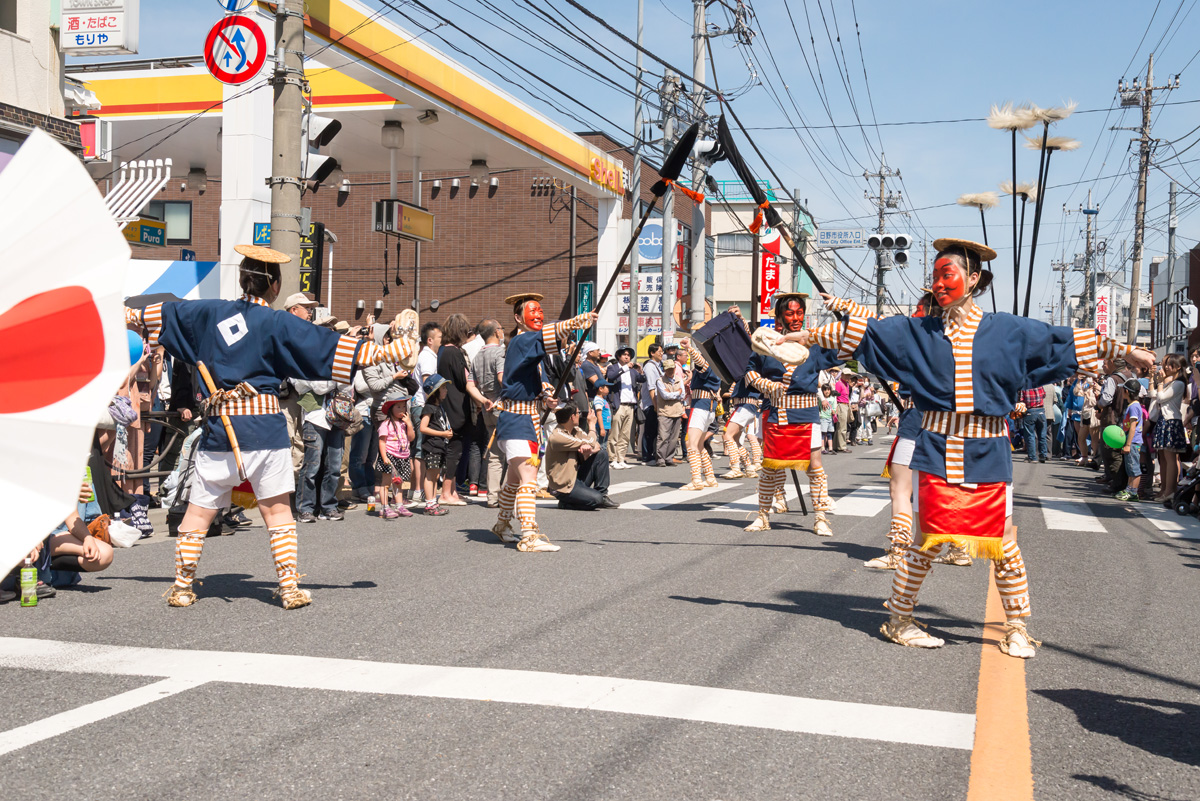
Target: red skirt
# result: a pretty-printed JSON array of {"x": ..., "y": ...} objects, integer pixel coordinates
[
  {"x": 970, "y": 518},
  {"x": 787, "y": 446}
]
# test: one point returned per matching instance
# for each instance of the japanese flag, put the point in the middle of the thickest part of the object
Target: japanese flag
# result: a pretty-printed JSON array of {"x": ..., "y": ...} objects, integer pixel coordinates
[{"x": 63, "y": 349}]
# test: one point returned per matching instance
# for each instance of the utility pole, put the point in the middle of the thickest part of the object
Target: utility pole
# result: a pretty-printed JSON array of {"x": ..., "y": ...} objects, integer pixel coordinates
[
  {"x": 1145, "y": 97},
  {"x": 1060, "y": 267},
  {"x": 697, "y": 288},
  {"x": 285, "y": 178},
  {"x": 634, "y": 270},
  {"x": 668, "y": 97},
  {"x": 1172, "y": 313},
  {"x": 1089, "y": 266},
  {"x": 884, "y": 201}
]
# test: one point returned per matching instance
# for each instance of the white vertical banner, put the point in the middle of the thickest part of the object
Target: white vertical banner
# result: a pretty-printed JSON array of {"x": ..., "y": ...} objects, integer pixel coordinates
[{"x": 1104, "y": 311}]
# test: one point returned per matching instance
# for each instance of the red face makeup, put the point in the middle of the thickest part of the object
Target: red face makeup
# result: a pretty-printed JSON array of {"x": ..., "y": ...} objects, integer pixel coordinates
[
  {"x": 949, "y": 281},
  {"x": 793, "y": 315},
  {"x": 531, "y": 314}
]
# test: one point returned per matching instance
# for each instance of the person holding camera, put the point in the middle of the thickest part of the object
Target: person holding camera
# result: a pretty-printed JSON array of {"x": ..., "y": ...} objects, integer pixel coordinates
[{"x": 1168, "y": 389}]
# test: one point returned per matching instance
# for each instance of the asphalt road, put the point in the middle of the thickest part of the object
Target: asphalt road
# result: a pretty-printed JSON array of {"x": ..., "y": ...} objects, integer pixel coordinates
[{"x": 662, "y": 654}]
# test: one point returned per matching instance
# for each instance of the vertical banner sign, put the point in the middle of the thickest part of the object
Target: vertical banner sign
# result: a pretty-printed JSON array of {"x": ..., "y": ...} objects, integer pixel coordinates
[
  {"x": 768, "y": 277},
  {"x": 312, "y": 252},
  {"x": 1104, "y": 312}
]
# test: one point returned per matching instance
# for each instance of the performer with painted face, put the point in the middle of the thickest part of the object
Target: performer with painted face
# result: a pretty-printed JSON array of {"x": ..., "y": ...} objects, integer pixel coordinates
[
  {"x": 249, "y": 348},
  {"x": 519, "y": 430},
  {"x": 791, "y": 419},
  {"x": 963, "y": 367},
  {"x": 900, "y": 483},
  {"x": 706, "y": 390},
  {"x": 743, "y": 423}
]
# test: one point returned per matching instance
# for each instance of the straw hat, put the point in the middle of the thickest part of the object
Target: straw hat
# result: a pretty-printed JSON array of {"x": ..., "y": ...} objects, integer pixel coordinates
[
  {"x": 984, "y": 253},
  {"x": 521, "y": 297},
  {"x": 260, "y": 253}
]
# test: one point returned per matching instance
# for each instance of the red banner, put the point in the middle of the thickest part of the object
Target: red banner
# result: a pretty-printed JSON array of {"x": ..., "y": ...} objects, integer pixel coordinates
[{"x": 768, "y": 273}]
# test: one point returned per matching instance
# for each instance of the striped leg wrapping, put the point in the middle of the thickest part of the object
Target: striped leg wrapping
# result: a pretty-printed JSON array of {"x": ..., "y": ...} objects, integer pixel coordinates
[
  {"x": 731, "y": 448},
  {"x": 755, "y": 449},
  {"x": 285, "y": 550},
  {"x": 508, "y": 494},
  {"x": 820, "y": 489},
  {"x": 900, "y": 532},
  {"x": 706, "y": 466},
  {"x": 907, "y": 580},
  {"x": 526, "y": 507},
  {"x": 187, "y": 556},
  {"x": 1013, "y": 582},
  {"x": 770, "y": 483},
  {"x": 695, "y": 465}
]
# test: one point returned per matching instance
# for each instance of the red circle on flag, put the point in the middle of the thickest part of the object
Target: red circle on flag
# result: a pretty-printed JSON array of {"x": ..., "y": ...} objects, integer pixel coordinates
[{"x": 235, "y": 49}]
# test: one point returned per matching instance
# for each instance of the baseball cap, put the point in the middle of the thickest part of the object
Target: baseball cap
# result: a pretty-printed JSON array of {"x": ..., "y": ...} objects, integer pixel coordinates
[{"x": 299, "y": 299}]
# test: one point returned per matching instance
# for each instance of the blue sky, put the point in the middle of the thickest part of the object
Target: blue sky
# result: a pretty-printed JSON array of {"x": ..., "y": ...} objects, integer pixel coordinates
[{"x": 923, "y": 61}]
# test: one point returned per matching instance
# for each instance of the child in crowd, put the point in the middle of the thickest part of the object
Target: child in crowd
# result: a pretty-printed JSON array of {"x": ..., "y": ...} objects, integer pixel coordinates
[
  {"x": 392, "y": 465},
  {"x": 1132, "y": 423},
  {"x": 603, "y": 412},
  {"x": 435, "y": 428},
  {"x": 828, "y": 403}
]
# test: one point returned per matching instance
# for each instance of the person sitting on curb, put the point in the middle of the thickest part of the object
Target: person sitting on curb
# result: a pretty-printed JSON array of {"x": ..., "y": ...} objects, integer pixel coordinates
[{"x": 577, "y": 464}]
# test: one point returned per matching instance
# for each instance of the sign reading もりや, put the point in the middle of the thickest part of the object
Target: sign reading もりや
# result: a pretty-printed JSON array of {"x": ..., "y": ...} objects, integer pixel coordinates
[{"x": 98, "y": 27}]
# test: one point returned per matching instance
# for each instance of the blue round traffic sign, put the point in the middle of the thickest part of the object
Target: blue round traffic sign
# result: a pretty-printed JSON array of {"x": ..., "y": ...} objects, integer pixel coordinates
[{"x": 235, "y": 6}]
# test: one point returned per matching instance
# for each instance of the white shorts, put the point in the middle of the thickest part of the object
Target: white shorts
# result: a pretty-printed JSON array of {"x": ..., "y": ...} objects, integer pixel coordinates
[
  {"x": 743, "y": 416},
  {"x": 701, "y": 419},
  {"x": 903, "y": 453},
  {"x": 1008, "y": 496},
  {"x": 215, "y": 476},
  {"x": 518, "y": 449}
]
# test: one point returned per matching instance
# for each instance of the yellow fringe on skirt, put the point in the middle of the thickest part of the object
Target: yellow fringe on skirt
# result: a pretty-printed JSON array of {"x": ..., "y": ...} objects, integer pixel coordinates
[
  {"x": 887, "y": 471},
  {"x": 981, "y": 547},
  {"x": 785, "y": 464},
  {"x": 246, "y": 500}
]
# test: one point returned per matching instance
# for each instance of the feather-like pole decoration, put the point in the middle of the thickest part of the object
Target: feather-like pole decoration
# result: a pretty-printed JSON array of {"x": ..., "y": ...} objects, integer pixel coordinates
[
  {"x": 1054, "y": 113},
  {"x": 1008, "y": 117},
  {"x": 1047, "y": 145},
  {"x": 981, "y": 200},
  {"x": 1027, "y": 192}
]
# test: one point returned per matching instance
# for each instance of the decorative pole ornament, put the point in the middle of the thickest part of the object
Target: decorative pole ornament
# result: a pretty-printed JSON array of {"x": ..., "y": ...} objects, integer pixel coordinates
[
  {"x": 1013, "y": 119},
  {"x": 1047, "y": 145},
  {"x": 982, "y": 201},
  {"x": 1027, "y": 192}
]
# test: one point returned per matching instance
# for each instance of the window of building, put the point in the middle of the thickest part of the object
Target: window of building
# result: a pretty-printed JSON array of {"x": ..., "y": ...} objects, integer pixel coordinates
[
  {"x": 177, "y": 214},
  {"x": 735, "y": 244},
  {"x": 8, "y": 15}
]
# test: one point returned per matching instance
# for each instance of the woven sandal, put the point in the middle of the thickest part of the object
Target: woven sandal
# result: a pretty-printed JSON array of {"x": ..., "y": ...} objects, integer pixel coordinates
[
  {"x": 821, "y": 526},
  {"x": 904, "y": 630},
  {"x": 733, "y": 474},
  {"x": 954, "y": 555},
  {"x": 180, "y": 596},
  {"x": 536, "y": 542},
  {"x": 1017, "y": 642},
  {"x": 889, "y": 560},
  {"x": 692, "y": 487},
  {"x": 504, "y": 531},
  {"x": 761, "y": 523},
  {"x": 293, "y": 597}
]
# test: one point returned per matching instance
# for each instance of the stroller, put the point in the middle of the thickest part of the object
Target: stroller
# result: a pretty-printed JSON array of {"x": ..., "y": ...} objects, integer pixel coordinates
[{"x": 1186, "y": 499}]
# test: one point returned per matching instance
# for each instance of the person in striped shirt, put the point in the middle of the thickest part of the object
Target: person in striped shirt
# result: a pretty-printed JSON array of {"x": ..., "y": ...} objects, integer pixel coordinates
[
  {"x": 250, "y": 349},
  {"x": 963, "y": 367}
]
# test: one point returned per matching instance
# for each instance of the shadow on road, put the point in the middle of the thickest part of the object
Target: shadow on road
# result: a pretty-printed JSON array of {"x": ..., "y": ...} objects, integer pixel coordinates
[
  {"x": 1164, "y": 728},
  {"x": 856, "y": 612},
  {"x": 228, "y": 586},
  {"x": 1111, "y": 785}
]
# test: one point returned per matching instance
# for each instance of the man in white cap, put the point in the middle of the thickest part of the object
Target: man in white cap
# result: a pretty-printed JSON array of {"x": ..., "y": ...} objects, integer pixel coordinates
[{"x": 301, "y": 305}]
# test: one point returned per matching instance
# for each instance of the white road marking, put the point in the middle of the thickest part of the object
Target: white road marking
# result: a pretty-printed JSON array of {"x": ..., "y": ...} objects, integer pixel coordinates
[
  {"x": 876, "y": 450},
  {"x": 673, "y": 497},
  {"x": 613, "y": 489},
  {"x": 599, "y": 693},
  {"x": 64, "y": 722},
  {"x": 1065, "y": 514},
  {"x": 1178, "y": 527},
  {"x": 750, "y": 502},
  {"x": 866, "y": 501}
]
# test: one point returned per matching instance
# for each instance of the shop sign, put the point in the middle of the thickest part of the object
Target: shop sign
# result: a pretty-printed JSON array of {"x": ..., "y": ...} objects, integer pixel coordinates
[
  {"x": 98, "y": 27},
  {"x": 608, "y": 174},
  {"x": 146, "y": 232},
  {"x": 768, "y": 277}
]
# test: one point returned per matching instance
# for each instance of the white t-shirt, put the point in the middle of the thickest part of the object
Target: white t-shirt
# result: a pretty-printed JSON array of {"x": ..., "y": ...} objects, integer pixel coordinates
[
  {"x": 426, "y": 366},
  {"x": 625, "y": 378},
  {"x": 472, "y": 346}
]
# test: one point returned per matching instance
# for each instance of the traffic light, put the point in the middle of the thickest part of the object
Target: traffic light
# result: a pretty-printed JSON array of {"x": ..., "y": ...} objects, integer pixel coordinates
[
  {"x": 1188, "y": 317},
  {"x": 903, "y": 242},
  {"x": 896, "y": 244},
  {"x": 318, "y": 132}
]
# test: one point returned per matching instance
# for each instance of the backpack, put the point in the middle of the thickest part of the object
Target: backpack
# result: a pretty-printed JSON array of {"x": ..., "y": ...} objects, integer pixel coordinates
[{"x": 340, "y": 410}]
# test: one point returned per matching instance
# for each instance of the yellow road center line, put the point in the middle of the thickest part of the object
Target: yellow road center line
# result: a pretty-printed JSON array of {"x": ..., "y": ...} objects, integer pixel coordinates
[{"x": 1001, "y": 762}]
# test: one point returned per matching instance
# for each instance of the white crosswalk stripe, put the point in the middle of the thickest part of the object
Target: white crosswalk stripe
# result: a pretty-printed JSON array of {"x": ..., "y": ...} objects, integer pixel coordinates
[
  {"x": 750, "y": 502},
  {"x": 1177, "y": 527},
  {"x": 1066, "y": 514},
  {"x": 866, "y": 501},
  {"x": 673, "y": 497},
  {"x": 614, "y": 489}
]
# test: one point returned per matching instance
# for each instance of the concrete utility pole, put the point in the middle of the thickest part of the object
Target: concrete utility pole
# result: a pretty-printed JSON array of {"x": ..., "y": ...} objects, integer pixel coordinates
[
  {"x": 1146, "y": 97},
  {"x": 1060, "y": 267},
  {"x": 697, "y": 288},
  {"x": 884, "y": 201},
  {"x": 637, "y": 182},
  {"x": 1089, "y": 265},
  {"x": 285, "y": 141},
  {"x": 1172, "y": 221},
  {"x": 668, "y": 96}
]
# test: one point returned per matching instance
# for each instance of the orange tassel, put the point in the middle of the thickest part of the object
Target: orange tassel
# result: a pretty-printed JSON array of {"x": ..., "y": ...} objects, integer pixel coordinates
[
  {"x": 758, "y": 217},
  {"x": 697, "y": 197}
]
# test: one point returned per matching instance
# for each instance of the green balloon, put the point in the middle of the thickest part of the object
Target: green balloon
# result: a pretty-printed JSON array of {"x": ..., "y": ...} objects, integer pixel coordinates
[{"x": 1114, "y": 437}]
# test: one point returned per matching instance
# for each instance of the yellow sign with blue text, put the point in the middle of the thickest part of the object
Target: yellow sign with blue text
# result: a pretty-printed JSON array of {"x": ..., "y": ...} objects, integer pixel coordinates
[{"x": 147, "y": 232}]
